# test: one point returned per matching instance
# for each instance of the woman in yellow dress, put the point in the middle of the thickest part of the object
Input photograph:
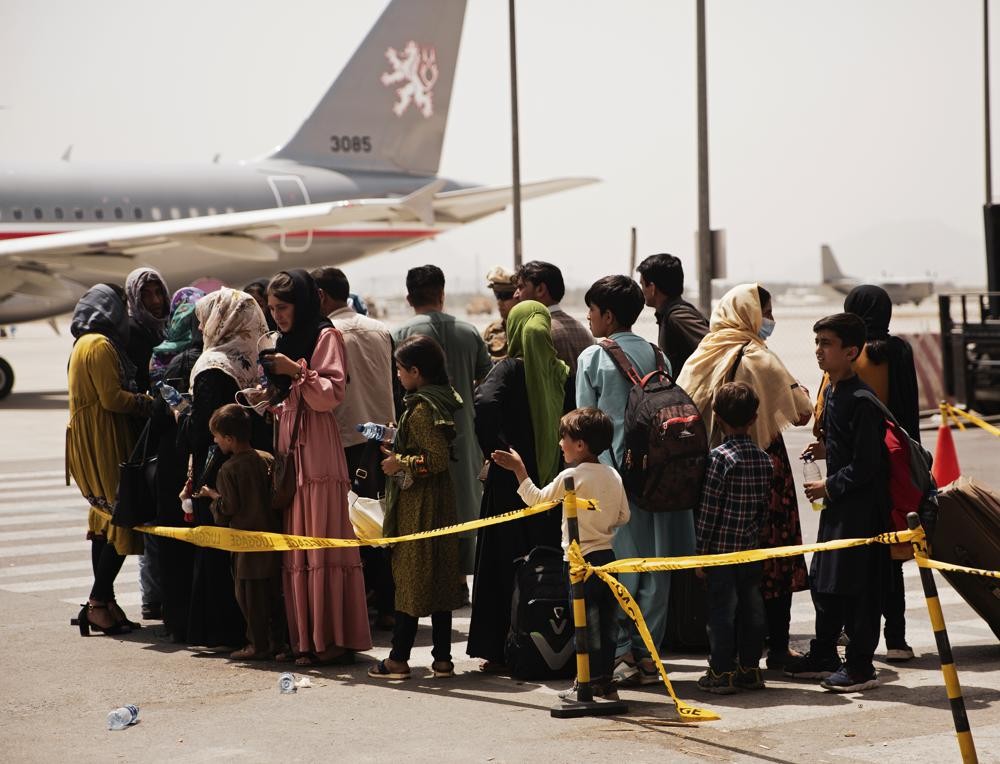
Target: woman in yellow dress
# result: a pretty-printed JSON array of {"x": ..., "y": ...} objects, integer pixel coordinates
[{"x": 103, "y": 407}]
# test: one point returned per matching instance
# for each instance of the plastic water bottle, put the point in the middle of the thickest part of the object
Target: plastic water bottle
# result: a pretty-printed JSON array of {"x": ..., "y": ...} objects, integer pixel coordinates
[
  {"x": 811, "y": 474},
  {"x": 122, "y": 717},
  {"x": 174, "y": 399},
  {"x": 381, "y": 432},
  {"x": 286, "y": 683}
]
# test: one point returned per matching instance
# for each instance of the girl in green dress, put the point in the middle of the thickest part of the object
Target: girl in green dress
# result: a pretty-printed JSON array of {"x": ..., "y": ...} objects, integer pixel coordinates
[{"x": 420, "y": 497}]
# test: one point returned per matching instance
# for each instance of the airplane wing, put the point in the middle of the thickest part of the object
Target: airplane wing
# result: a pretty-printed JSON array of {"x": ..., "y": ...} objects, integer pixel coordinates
[
  {"x": 466, "y": 205},
  {"x": 239, "y": 235}
]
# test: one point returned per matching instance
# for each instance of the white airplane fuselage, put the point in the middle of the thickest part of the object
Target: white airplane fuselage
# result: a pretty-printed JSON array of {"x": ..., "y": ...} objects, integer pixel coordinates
[{"x": 45, "y": 198}]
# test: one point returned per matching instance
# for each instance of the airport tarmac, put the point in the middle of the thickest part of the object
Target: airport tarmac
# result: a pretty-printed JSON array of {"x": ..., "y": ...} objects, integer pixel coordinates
[{"x": 197, "y": 706}]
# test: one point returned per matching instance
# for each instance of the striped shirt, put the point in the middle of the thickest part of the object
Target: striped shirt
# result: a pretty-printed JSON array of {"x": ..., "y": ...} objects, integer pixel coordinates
[{"x": 736, "y": 497}]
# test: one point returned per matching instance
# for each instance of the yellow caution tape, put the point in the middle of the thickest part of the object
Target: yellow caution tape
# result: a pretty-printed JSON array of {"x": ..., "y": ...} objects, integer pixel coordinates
[
  {"x": 957, "y": 414},
  {"x": 233, "y": 540},
  {"x": 581, "y": 569},
  {"x": 648, "y": 565},
  {"x": 926, "y": 562}
]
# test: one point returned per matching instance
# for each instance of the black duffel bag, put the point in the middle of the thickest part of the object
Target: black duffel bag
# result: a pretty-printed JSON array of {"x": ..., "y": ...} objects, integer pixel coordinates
[{"x": 136, "y": 502}]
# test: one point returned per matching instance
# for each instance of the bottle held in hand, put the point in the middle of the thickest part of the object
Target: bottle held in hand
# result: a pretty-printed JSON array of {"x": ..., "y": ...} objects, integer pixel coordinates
[
  {"x": 812, "y": 474},
  {"x": 177, "y": 402},
  {"x": 383, "y": 433}
]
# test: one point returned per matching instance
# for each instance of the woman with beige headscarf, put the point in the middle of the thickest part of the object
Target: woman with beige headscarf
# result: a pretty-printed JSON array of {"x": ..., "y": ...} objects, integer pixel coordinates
[{"x": 735, "y": 349}]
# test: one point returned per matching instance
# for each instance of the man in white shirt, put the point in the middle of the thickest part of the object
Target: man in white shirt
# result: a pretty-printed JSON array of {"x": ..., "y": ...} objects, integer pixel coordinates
[{"x": 368, "y": 346}]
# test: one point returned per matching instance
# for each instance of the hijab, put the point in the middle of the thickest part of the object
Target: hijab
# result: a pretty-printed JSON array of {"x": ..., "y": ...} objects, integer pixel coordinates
[
  {"x": 873, "y": 305},
  {"x": 102, "y": 311},
  {"x": 735, "y": 324},
  {"x": 260, "y": 285},
  {"x": 134, "y": 283},
  {"x": 443, "y": 402},
  {"x": 529, "y": 337},
  {"x": 308, "y": 321},
  {"x": 232, "y": 324},
  {"x": 181, "y": 331}
]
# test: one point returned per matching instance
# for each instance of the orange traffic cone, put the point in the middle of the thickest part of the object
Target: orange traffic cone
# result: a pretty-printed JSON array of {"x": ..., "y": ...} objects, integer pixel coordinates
[{"x": 945, "y": 468}]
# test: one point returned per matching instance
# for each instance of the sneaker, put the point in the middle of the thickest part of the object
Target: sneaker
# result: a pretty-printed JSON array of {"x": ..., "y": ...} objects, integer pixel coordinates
[
  {"x": 810, "y": 666},
  {"x": 719, "y": 684},
  {"x": 778, "y": 660},
  {"x": 899, "y": 654},
  {"x": 748, "y": 679},
  {"x": 635, "y": 674},
  {"x": 603, "y": 689},
  {"x": 844, "y": 681}
]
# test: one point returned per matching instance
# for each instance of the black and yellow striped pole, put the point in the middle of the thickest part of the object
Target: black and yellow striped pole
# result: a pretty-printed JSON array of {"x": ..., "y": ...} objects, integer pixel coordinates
[
  {"x": 584, "y": 705},
  {"x": 965, "y": 742}
]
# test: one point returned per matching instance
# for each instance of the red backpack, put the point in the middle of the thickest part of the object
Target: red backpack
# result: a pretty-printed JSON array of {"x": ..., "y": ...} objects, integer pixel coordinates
[{"x": 666, "y": 444}]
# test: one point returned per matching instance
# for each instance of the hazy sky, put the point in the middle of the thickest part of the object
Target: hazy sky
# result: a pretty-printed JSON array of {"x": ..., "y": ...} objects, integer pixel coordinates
[{"x": 855, "y": 123}]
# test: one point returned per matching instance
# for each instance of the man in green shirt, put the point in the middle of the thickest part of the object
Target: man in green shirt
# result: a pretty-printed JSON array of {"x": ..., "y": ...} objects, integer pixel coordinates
[{"x": 468, "y": 362}]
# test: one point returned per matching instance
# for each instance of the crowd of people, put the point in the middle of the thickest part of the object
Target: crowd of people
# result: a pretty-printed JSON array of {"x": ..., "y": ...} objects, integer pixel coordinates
[{"x": 278, "y": 377}]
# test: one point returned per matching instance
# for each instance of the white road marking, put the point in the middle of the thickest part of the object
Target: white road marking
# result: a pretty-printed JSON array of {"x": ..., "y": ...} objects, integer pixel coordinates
[
  {"x": 14, "y": 571},
  {"x": 40, "y": 518},
  {"x": 41, "y": 550},
  {"x": 40, "y": 533}
]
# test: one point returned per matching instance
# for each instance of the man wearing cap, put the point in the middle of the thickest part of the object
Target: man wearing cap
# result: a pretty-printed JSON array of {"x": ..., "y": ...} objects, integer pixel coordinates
[{"x": 495, "y": 334}]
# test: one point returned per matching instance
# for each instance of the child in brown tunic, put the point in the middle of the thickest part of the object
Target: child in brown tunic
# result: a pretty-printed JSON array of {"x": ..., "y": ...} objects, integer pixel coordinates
[{"x": 242, "y": 499}]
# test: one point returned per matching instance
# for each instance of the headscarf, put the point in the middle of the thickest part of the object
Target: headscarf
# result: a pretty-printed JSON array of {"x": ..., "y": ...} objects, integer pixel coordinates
[
  {"x": 232, "y": 325},
  {"x": 308, "y": 321},
  {"x": 134, "y": 283},
  {"x": 735, "y": 324},
  {"x": 443, "y": 401},
  {"x": 182, "y": 329},
  {"x": 101, "y": 311},
  {"x": 260, "y": 285},
  {"x": 529, "y": 337},
  {"x": 874, "y": 306}
]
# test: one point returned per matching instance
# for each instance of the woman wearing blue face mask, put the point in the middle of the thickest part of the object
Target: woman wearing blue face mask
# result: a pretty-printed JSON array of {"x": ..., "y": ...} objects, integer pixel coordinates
[{"x": 735, "y": 350}]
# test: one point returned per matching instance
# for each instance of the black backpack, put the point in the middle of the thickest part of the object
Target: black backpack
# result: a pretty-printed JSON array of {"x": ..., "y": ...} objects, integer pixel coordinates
[
  {"x": 540, "y": 641},
  {"x": 666, "y": 444}
]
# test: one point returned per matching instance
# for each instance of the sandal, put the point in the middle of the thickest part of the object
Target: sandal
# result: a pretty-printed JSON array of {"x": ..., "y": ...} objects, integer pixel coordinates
[
  {"x": 492, "y": 667},
  {"x": 286, "y": 656},
  {"x": 448, "y": 670},
  {"x": 381, "y": 671}
]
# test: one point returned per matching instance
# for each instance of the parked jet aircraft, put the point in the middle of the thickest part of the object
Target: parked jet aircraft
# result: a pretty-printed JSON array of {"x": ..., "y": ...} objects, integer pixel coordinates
[
  {"x": 899, "y": 290},
  {"x": 358, "y": 177}
]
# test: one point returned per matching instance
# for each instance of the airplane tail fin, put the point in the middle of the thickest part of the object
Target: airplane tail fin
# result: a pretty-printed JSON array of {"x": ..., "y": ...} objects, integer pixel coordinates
[
  {"x": 831, "y": 270},
  {"x": 387, "y": 110}
]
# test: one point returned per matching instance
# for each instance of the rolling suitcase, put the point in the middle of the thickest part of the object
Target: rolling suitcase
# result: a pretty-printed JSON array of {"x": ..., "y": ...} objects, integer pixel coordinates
[{"x": 968, "y": 533}]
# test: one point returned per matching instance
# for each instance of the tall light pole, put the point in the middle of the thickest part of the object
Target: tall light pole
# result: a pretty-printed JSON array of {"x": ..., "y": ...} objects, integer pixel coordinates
[
  {"x": 986, "y": 100},
  {"x": 704, "y": 224},
  {"x": 514, "y": 138}
]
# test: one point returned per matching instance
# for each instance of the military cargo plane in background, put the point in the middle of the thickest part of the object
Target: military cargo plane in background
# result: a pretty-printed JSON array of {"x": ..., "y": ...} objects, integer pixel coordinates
[
  {"x": 358, "y": 177},
  {"x": 900, "y": 291}
]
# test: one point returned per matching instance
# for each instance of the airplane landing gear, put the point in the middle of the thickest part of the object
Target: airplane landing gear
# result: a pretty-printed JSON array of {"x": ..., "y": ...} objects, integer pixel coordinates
[{"x": 6, "y": 379}]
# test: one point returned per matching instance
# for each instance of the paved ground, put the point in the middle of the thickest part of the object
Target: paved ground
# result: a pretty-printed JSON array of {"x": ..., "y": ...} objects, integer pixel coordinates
[{"x": 197, "y": 706}]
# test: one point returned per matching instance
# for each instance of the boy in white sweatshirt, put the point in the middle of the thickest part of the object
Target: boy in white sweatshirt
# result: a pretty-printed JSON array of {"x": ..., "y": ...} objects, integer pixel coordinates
[{"x": 583, "y": 435}]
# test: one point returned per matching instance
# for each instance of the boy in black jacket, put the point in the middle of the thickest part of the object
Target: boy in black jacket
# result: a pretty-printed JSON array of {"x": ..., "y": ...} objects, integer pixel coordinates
[{"x": 847, "y": 585}]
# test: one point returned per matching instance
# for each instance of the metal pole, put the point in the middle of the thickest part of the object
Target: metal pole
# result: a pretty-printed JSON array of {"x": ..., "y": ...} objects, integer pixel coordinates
[
  {"x": 704, "y": 224},
  {"x": 986, "y": 100},
  {"x": 632, "y": 254},
  {"x": 966, "y": 744},
  {"x": 584, "y": 705},
  {"x": 514, "y": 138}
]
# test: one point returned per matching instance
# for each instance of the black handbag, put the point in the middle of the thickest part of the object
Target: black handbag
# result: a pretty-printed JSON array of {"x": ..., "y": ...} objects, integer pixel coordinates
[{"x": 136, "y": 502}]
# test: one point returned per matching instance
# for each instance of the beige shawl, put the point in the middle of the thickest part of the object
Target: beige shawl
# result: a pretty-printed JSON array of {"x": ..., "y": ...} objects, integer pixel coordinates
[{"x": 735, "y": 323}]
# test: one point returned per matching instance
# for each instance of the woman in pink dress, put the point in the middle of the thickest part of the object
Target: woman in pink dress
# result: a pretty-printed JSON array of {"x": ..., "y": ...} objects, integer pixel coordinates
[{"x": 324, "y": 588}]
